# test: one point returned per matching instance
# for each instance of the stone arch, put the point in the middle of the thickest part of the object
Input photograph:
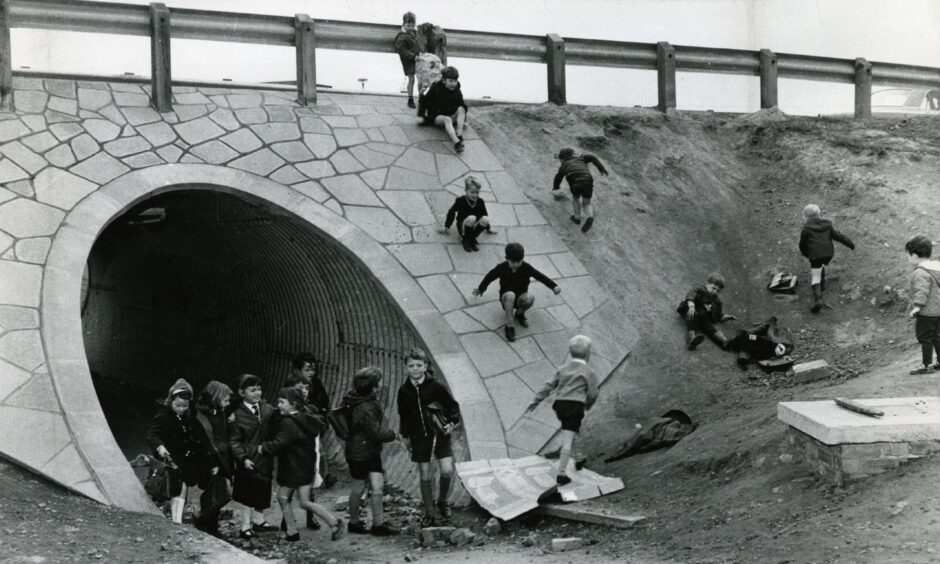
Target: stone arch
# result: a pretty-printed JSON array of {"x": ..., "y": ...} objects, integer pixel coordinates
[{"x": 62, "y": 323}]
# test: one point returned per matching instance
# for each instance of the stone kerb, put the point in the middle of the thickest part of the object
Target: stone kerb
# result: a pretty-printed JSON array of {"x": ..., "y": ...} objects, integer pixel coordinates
[{"x": 62, "y": 320}]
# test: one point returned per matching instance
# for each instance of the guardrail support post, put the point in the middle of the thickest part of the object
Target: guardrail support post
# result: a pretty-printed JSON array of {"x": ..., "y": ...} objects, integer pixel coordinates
[
  {"x": 161, "y": 86},
  {"x": 306, "y": 41},
  {"x": 768, "y": 79},
  {"x": 862, "y": 88},
  {"x": 6, "y": 58},
  {"x": 555, "y": 59},
  {"x": 666, "y": 75}
]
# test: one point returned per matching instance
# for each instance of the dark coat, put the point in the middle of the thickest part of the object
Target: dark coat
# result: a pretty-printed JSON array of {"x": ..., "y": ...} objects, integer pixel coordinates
[
  {"x": 575, "y": 170},
  {"x": 184, "y": 439},
  {"x": 367, "y": 431},
  {"x": 707, "y": 305},
  {"x": 247, "y": 432},
  {"x": 441, "y": 101},
  {"x": 462, "y": 209},
  {"x": 294, "y": 444},
  {"x": 413, "y": 401},
  {"x": 406, "y": 45},
  {"x": 514, "y": 281},
  {"x": 816, "y": 239},
  {"x": 215, "y": 426},
  {"x": 318, "y": 397}
]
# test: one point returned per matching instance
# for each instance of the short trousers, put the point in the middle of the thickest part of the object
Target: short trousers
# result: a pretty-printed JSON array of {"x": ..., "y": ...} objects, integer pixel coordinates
[
  {"x": 927, "y": 329},
  {"x": 819, "y": 262},
  {"x": 421, "y": 448},
  {"x": 360, "y": 469},
  {"x": 570, "y": 413},
  {"x": 582, "y": 190},
  {"x": 516, "y": 302}
]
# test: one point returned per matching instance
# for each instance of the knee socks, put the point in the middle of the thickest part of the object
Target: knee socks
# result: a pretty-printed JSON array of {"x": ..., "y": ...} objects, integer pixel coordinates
[
  {"x": 427, "y": 496},
  {"x": 443, "y": 489},
  {"x": 378, "y": 512},
  {"x": 563, "y": 460},
  {"x": 176, "y": 509},
  {"x": 355, "y": 496}
]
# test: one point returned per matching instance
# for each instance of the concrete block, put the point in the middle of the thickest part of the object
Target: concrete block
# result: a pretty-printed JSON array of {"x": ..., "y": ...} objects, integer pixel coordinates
[
  {"x": 810, "y": 371},
  {"x": 875, "y": 450},
  {"x": 569, "y": 543},
  {"x": 905, "y": 419},
  {"x": 429, "y": 535}
]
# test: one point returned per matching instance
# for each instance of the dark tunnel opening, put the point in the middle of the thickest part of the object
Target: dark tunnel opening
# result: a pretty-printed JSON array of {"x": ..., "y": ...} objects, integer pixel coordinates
[{"x": 204, "y": 285}]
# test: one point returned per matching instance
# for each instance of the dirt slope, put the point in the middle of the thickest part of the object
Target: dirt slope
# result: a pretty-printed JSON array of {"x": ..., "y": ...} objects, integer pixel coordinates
[{"x": 695, "y": 193}]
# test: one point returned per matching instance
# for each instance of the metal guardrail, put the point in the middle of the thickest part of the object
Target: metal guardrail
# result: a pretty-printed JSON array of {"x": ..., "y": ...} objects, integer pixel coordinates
[{"x": 307, "y": 35}]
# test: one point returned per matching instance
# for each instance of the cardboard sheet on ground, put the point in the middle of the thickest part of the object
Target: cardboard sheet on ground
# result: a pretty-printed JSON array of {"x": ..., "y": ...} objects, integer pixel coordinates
[{"x": 509, "y": 487}]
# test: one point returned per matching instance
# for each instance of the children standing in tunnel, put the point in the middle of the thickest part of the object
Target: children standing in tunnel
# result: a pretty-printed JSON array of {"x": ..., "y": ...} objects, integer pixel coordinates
[
  {"x": 253, "y": 471},
  {"x": 417, "y": 395},
  {"x": 212, "y": 413},
  {"x": 816, "y": 245},
  {"x": 575, "y": 170}
]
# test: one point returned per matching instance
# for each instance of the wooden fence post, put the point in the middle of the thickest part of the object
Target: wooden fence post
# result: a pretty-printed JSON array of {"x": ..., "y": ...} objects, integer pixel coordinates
[
  {"x": 666, "y": 75},
  {"x": 768, "y": 79},
  {"x": 161, "y": 85},
  {"x": 306, "y": 42},
  {"x": 862, "y": 89},
  {"x": 6, "y": 58},
  {"x": 555, "y": 59}
]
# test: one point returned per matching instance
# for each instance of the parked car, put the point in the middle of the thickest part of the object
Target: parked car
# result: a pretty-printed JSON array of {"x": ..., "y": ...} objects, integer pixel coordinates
[{"x": 906, "y": 101}]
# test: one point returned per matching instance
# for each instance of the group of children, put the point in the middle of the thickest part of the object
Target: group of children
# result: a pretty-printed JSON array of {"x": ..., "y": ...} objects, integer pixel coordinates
[{"x": 248, "y": 443}]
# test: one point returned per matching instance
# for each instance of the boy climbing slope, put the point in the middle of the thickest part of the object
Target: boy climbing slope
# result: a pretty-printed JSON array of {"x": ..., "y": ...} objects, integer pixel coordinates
[{"x": 574, "y": 169}]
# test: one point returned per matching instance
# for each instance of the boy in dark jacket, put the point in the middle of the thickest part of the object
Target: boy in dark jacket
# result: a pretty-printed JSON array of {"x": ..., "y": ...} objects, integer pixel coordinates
[
  {"x": 406, "y": 45},
  {"x": 470, "y": 212},
  {"x": 444, "y": 106},
  {"x": 367, "y": 432},
  {"x": 414, "y": 396},
  {"x": 253, "y": 472},
  {"x": 816, "y": 244},
  {"x": 701, "y": 309},
  {"x": 514, "y": 276},
  {"x": 925, "y": 299},
  {"x": 575, "y": 170},
  {"x": 294, "y": 445}
]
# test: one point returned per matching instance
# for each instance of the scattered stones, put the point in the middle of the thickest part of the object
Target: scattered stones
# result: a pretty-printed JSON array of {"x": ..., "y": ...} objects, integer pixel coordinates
[
  {"x": 810, "y": 371},
  {"x": 492, "y": 527},
  {"x": 531, "y": 539},
  {"x": 569, "y": 543},
  {"x": 462, "y": 536},
  {"x": 432, "y": 535}
]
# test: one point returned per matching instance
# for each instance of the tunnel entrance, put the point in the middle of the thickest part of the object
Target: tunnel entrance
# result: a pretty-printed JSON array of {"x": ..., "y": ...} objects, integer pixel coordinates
[{"x": 205, "y": 285}]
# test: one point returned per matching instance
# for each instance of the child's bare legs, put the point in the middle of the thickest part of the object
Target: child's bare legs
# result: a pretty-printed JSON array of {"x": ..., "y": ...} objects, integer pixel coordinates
[
  {"x": 251, "y": 516},
  {"x": 461, "y": 120},
  {"x": 284, "y": 495},
  {"x": 427, "y": 490},
  {"x": 411, "y": 86},
  {"x": 447, "y": 474},
  {"x": 315, "y": 508},
  {"x": 567, "y": 440},
  {"x": 576, "y": 208},
  {"x": 448, "y": 124},
  {"x": 513, "y": 306},
  {"x": 355, "y": 496},
  {"x": 587, "y": 207},
  {"x": 177, "y": 504},
  {"x": 377, "y": 480}
]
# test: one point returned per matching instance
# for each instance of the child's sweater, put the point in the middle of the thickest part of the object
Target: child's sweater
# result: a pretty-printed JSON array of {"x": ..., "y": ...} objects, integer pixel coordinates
[
  {"x": 573, "y": 381},
  {"x": 816, "y": 239},
  {"x": 442, "y": 101},
  {"x": 575, "y": 170},
  {"x": 706, "y": 304},
  {"x": 462, "y": 209},
  {"x": 925, "y": 288},
  {"x": 516, "y": 282}
]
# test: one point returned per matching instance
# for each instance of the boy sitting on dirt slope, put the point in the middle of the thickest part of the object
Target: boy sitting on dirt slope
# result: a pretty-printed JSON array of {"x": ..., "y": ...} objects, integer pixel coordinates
[
  {"x": 816, "y": 245},
  {"x": 701, "y": 309}
]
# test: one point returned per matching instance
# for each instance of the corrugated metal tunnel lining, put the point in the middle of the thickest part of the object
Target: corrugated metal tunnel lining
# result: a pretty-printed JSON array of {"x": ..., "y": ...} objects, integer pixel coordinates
[{"x": 222, "y": 286}]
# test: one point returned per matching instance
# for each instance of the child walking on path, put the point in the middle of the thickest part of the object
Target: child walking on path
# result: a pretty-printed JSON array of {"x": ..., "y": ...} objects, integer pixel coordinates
[
  {"x": 406, "y": 45},
  {"x": 514, "y": 275},
  {"x": 925, "y": 297},
  {"x": 415, "y": 395},
  {"x": 470, "y": 212},
  {"x": 816, "y": 244},
  {"x": 444, "y": 106},
  {"x": 367, "y": 432},
  {"x": 701, "y": 309},
  {"x": 575, "y": 387},
  {"x": 253, "y": 471},
  {"x": 294, "y": 445},
  {"x": 575, "y": 169},
  {"x": 212, "y": 413}
]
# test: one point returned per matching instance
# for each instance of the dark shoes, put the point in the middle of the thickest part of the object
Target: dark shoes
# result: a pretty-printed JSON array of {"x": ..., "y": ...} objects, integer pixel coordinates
[
  {"x": 510, "y": 333},
  {"x": 247, "y": 534},
  {"x": 521, "y": 318},
  {"x": 292, "y": 538},
  {"x": 358, "y": 528},
  {"x": 445, "y": 510},
  {"x": 562, "y": 480},
  {"x": 458, "y": 147},
  {"x": 411, "y": 103},
  {"x": 924, "y": 370},
  {"x": 338, "y": 530},
  {"x": 467, "y": 243},
  {"x": 312, "y": 522},
  {"x": 576, "y": 220},
  {"x": 427, "y": 520},
  {"x": 695, "y": 339},
  {"x": 265, "y": 527},
  {"x": 579, "y": 463},
  {"x": 329, "y": 481},
  {"x": 587, "y": 225},
  {"x": 384, "y": 530}
]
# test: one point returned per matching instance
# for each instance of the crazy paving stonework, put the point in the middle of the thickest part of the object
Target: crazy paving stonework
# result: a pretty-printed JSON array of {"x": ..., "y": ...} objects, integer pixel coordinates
[{"x": 75, "y": 155}]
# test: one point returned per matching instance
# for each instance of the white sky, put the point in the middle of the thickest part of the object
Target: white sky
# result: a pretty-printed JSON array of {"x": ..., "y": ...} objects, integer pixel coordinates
[{"x": 900, "y": 31}]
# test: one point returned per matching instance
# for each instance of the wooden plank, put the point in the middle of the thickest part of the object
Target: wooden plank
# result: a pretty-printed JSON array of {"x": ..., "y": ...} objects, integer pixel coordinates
[
  {"x": 573, "y": 513},
  {"x": 858, "y": 408}
]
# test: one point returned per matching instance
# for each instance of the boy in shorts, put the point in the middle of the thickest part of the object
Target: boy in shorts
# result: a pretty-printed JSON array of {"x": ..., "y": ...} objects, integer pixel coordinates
[
  {"x": 816, "y": 244},
  {"x": 514, "y": 276},
  {"x": 925, "y": 297},
  {"x": 575, "y": 170},
  {"x": 406, "y": 45},
  {"x": 470, "y": 212},
  {"x": 575, "y": 388},
  {"x": 702, "y": 309},
  {"x": 414, "y": 396}
]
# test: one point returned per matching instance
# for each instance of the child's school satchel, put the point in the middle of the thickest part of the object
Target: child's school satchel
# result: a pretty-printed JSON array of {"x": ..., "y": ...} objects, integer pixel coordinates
[
  {"x": 159, "y": 484},
  {"x": 340, "y": 419},
  {"x": 441, "y": 422},
  {"x": 780, "y": 364},
  {"x": 783, "y": 283}
]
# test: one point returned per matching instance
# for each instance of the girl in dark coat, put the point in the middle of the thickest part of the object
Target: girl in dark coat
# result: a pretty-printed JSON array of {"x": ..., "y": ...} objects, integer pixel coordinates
[
  {"x": 294, "y": 444},
  {"x": 253, "y": 471},
  {"x": 212, "y": 414},
  {"x": 364, "y": 450},
  {"x": 175, "y": 437}
]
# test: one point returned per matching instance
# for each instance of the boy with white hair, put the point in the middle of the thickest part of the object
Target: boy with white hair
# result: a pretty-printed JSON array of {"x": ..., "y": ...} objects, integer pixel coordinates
[
  {"x": 575, "y": 387},
  {"x": 816, "y": 245}
]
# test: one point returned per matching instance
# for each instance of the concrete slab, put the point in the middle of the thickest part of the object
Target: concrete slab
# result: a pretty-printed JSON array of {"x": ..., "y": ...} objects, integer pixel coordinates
[
  {"x": 24, "y": 157},
  {"x": 344, "y": 162},
  {"x": 462, "y": 323},
  {"x": 214, "y": 152},
  {"x": 905, "y": 420},
  {"x": 35, "y": 394},
  {"x": 404, "y": 179},
  {"x": 25, "y": 218},
  {"x": 11, "y": 378},
  {"x": 422, "y": 259},
  {"x": 262, "y": 162},
  {"x": 380, "y": 223},
  {"x": 350, "y": 189},
  {"x": 490, "y": 353},
  {"x": 374, "y": 178},
  {"x": 510, "y": 395},
  {"x": 198, "y": 130},
  {"x": 100, "y": 168},
  {"x": 446, "y": 297}
]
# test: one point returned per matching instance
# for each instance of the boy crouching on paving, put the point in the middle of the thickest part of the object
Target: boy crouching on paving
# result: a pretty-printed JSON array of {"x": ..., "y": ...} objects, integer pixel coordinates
[
  {"x": 925, "y": 297},
  {"x": 574, "y": 168},
  {"x": 514, "y": 276},
  {"x": 701, "y": 309},
  {"x": 575, "y": 388},
  {"x": 816, "y": 244},
  {"x": 470, "y": 212}
]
